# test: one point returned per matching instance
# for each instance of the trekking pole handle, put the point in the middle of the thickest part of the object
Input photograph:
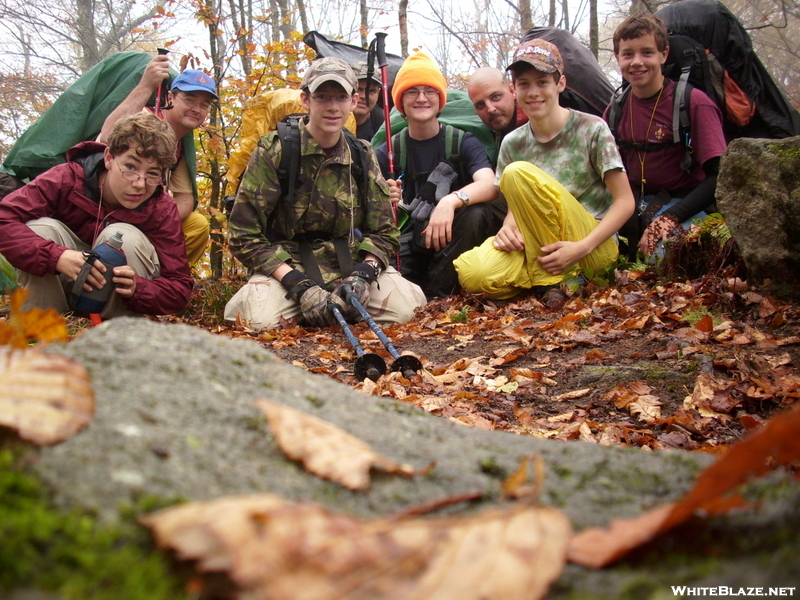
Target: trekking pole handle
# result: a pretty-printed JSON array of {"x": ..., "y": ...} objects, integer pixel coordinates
[
  {"x": 381, "y": 48},
  {"x": 351, "y": 298},
  {"x": 159, "y": 91}
]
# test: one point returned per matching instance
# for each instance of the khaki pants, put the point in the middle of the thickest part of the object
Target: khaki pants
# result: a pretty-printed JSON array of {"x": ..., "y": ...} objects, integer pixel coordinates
[
  {"x": 52, "y": 291},
  {"x": 545, "y": 213},
  {"x": 195, "y": 234},
  {"x": 262, "y": 301}
]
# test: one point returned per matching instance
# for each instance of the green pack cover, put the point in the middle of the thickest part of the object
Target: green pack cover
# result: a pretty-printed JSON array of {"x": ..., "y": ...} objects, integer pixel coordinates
[{"x": 78, "y": 115}]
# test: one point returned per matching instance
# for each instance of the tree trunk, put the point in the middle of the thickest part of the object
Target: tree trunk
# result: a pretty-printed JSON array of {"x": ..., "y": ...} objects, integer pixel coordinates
[
  {"x": 364, "y": 29},
  {"x": 216, "y": 49},
  {"x": 594, "y": 36},
  {"x": 525, "y": 16},
  {"x": 402, "y": 11},
  {"x": 565, "y": 14},
  {"x": 301, "y": 8},
  {"x": 552, "y": 20}
]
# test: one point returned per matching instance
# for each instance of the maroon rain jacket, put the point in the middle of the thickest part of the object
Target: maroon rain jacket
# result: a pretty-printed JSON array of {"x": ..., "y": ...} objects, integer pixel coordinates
[{"x": 68, "y": 193}]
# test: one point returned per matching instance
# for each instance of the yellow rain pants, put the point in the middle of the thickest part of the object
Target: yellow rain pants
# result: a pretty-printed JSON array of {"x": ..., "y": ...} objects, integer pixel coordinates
[{"x": 545, "y": 213}]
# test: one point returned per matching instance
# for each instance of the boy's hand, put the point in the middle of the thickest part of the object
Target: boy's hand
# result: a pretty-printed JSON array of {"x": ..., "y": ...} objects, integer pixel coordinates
[
  {"x": 557, "y": 258},
  {"x": 395, "y": 190},
  {"x": 156, "y": 71},
  {"x": 509, "y": 239},
  {"x": 125, "y": 281},
  {"x": 70, "y": 264},
  {"x": 439, "y": 231}
]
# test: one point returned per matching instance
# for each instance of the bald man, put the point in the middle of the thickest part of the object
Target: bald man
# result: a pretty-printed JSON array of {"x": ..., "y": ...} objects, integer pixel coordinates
[{"x": 492, "y": 95}]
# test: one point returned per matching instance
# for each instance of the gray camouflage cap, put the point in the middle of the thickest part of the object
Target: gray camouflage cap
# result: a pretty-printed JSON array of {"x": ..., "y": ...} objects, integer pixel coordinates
[
  {"x": 360, "y": 69},
  {"x": 329, "y": 69}
]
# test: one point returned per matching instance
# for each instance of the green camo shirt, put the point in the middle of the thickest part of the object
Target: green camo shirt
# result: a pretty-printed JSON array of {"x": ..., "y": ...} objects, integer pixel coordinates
[{"x": 262, "y": 225}]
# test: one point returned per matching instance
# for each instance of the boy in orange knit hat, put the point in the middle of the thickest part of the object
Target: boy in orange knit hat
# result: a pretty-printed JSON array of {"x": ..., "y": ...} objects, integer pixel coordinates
[{"x": 447, "y": 190}]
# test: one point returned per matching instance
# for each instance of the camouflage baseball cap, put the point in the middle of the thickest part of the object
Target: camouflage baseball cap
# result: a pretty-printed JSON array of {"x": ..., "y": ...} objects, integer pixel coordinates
[
  {"x": 540, "y": 54},
  {"x": 360, "y": 69},
  {"x": 329, "y": 69}
]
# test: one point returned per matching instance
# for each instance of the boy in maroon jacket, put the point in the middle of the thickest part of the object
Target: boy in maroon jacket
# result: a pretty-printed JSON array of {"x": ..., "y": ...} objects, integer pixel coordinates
[{"x": 48, "y": 226}]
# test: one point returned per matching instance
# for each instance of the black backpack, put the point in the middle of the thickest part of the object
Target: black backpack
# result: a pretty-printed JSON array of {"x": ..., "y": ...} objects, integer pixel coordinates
[
  {"x": 711, "y": 50},
  {"x": 288, "y": 169}
]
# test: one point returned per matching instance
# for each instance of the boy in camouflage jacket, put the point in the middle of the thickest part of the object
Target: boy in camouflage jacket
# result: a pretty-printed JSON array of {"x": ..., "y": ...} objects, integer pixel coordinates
[{"x": 268, "y": 234}]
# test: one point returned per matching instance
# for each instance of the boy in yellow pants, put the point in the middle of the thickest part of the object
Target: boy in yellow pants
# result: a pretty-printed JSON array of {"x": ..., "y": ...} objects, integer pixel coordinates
[{"x": 565, "y": 185}]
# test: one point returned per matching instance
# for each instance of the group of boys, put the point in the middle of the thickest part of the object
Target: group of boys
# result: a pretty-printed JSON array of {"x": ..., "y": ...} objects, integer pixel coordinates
[{"x": 562, "y": 188}]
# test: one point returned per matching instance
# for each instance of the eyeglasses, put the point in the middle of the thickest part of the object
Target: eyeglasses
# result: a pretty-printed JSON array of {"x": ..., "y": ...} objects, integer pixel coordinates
[
  {"x": 194, "y": 102},
  {"x": 134, "y": 176},
  {"x": 414, "y": 93},
  {"x": 326, "y": 98}
]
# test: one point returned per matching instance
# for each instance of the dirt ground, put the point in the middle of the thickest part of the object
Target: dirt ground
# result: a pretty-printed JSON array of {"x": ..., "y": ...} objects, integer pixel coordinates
[
  {"x": 682, "y": 364},
  {"x": 643, "y": 362}
]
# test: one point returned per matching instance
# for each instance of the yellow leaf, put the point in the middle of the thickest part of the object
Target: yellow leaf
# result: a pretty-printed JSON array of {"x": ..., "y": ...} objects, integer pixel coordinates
[
  {"x": 38, "y": 324},
  {"x": 326, "y": 450},
  {"x": 47, "y": 398},
  {"x": 271, "y": 548}
]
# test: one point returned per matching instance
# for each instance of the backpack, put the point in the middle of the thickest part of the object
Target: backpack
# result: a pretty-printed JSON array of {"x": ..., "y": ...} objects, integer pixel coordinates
[
  {"x": 588, "y": 89},
  {"x": 681, "y": 125},
  {"x": 713, "y": 52},
  {"x": 288, "y": 169},
  {"x": 453, "y": 138}
]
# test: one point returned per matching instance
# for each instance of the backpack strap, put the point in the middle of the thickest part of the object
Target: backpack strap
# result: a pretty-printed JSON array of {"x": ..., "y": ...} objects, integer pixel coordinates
[
  {"x": 289, "y": 136},
  {"x": 360, "y": 168},
  {"x": 681, "y": 125},
  {"x": 615, "y": 109},
  {"x": 399, "y": 142}
]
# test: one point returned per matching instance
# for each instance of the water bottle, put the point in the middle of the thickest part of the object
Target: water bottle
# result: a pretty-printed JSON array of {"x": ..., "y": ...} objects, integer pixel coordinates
[{"x": 111, "y": 255}]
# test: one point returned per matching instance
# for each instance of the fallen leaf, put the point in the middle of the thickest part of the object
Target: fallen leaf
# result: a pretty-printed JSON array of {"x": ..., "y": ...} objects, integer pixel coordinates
[
  {"x": 776, "y": 443},
  {"x": 43, "y": 325},
  {"x": 326, "y": 450},
  {"x": 574, "y": 394},
  {"x": 271, "y": 548},
  {"x": 47, "y": 398}
]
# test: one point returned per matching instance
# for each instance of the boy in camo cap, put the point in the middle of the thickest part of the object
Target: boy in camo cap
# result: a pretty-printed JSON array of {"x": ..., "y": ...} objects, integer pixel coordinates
[{"x": 277, "y": 239}]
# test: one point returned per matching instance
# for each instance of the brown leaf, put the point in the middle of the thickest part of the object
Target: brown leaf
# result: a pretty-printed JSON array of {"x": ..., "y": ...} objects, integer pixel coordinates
[
  {"x": 775, "y": 444},
  {"x": 326, "y": 450},
  {"x": 574, "y": 394},
  {"x": 47, "y": 398},
  {"x": 274, "y": 549}
]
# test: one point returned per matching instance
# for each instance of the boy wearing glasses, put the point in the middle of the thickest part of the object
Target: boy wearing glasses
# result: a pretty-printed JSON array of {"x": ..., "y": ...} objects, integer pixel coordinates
[
  {"x": 48, "y": 226},
  {"x": 449, "y": 200},
  {"x": 187, "y": 107},
  {"x": 304, "y": 253}
]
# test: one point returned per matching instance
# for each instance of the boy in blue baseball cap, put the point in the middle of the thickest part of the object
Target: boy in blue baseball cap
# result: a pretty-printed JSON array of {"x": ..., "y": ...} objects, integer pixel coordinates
[{"x": 187, "y": 106}]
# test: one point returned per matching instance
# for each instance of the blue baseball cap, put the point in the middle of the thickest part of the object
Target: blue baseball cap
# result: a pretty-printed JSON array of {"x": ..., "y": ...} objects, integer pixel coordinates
[{"x": 192, "y": 80}]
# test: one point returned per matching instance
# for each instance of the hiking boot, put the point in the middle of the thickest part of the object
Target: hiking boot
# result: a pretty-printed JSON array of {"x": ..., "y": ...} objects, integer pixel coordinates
[{"x": 552, "y": 296}]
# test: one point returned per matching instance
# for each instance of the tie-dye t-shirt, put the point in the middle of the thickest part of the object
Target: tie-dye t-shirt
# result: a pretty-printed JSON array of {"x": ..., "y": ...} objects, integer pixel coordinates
[{"x": 578, "y": 158}]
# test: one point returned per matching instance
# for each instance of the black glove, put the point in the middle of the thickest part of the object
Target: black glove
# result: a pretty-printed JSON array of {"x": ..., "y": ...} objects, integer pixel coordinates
[
  {"x": 313, "y": 299},
  {"x": 358, "y": 282}
]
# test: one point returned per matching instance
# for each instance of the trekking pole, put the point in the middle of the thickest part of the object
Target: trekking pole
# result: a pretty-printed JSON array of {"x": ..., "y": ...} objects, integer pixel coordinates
[
  {"x": 367, "y": 364},
  {"x": 407, "y": 365},
  {"x": 159, "y": 91},
  {"x": 383, "y": 63}
]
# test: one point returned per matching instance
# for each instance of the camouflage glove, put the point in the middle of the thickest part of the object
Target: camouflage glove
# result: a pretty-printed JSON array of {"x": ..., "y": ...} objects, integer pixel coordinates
[
  {"x": 313, "y": 299},
  {"x": 357, "y": 283}
]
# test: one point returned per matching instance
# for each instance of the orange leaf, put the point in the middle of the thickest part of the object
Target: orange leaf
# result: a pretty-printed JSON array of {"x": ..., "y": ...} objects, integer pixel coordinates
[
  {"x": 705, "y": 324},
  {"x": 326, "y": 450},
  {"x": 777, "y": 443},
  {"x": 42, "y": 325},
  {"x": 47, "y": 398}
]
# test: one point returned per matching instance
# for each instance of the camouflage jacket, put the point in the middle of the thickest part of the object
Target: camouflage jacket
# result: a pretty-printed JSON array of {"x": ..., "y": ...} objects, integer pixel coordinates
[{"x": 264, "y": 230}]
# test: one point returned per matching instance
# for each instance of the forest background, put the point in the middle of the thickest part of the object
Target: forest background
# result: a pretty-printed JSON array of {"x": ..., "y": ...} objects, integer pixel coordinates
[{"x": 250, "y": 46}]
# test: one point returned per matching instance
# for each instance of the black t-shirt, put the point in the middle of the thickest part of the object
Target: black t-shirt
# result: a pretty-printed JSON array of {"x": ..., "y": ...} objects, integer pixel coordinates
[{"x": 422, "y": 156}]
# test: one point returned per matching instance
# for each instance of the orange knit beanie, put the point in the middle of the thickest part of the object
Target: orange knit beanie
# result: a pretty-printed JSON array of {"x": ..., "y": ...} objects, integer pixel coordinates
[{"x": 418, "y": 69}]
